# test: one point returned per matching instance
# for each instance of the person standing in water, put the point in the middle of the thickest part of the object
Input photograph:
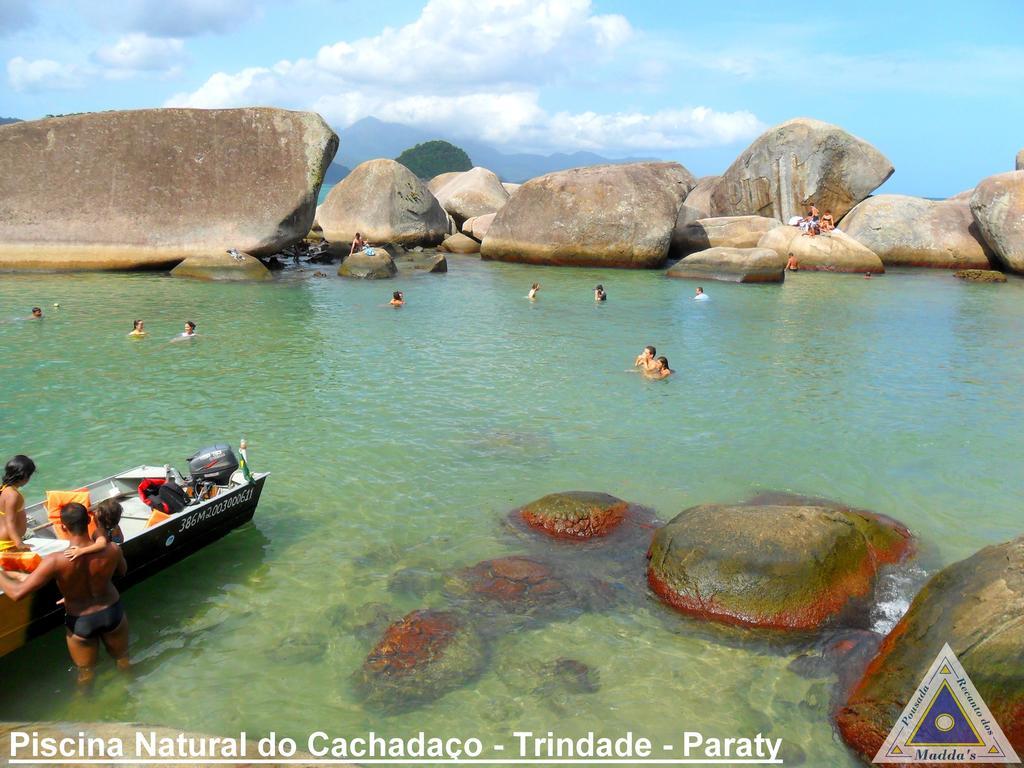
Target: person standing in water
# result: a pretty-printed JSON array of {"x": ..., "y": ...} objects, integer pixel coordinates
[
  {"x": 138, "y": 329},
  {"x": 645, "y": 360},
  {"x": 532, "y": 295},
  {"x": 13, "y": 523},
  {"x": 92, "y": 604},
  {"x": 661, "y": 369},
  {"x": 700, "y": 295},
  {"x": 600, "y": 294},
  {"x": 397, "y": 299},
  {"x": 37, "y": 314},
  {"x": 188, "y": 333}
]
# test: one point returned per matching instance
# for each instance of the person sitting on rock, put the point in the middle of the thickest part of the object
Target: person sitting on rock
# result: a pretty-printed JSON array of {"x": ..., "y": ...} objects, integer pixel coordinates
[
  {"x": 397, "y": 299},
  {"x": 357, "y": 244},
  {"x": 827, "y": 223},
  {"x": 661, "y": 369},
  {"x": 792, "y": 265},
  {"x": 645, "y": 360}
]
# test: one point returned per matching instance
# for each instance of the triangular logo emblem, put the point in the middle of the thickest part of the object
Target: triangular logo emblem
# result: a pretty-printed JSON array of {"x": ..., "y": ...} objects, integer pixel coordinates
[{"x": 946, "y": 721}]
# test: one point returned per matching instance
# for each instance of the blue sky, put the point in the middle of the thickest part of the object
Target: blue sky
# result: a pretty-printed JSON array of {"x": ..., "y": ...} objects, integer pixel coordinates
[{"x": 938, "y": 87}]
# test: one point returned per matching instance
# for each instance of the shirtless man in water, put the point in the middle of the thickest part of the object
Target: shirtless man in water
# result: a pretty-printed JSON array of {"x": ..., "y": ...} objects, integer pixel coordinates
[
  {"x": 92, "y": 604},
  {"x": 645, "y": 360}
]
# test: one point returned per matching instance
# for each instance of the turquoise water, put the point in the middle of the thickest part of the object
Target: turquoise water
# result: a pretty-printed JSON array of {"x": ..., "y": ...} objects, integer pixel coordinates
[{"x": 399, "y": 439}]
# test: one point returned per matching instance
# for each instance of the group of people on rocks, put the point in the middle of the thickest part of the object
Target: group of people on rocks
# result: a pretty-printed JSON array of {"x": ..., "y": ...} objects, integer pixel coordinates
[
  {"x": 84, "y": 571},
  {"x": 814, "y": 224}
]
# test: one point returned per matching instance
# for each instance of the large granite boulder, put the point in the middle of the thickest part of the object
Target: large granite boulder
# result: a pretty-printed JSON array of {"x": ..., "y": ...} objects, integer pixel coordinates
[
  {"x": 386, "y": 203},
  {"x": 975, "y": 606},
  {"x": 149, "y": 188},
  {"x": 459, "y": 243},
  {"x": 800, "y": 162},
  {"x": 435, "y": 184},
  {"x": 510, "y": 187},
  {"x": 376, "y": 266},
  {"x": 419, "y": 659},
  {"x": 832, "y": 252},
  {"x": 481, "y": 226},
  {"x": 600, "y": 216},
  {"x": 998, "y": 208},
  {"x": 222, "y": 266},
  {"x": 721, "y": 231},
  {"x": 733, "y": 265},
  {"x": 913, "y": 232},
  {"x": 699, "y": 198},
  {"x": 779, "y": 566},
  {"x": 473, "y": 193}
]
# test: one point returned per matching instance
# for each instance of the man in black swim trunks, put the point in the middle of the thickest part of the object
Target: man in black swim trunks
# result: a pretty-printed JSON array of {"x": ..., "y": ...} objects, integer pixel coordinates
[{"x": 92, "y": 603}]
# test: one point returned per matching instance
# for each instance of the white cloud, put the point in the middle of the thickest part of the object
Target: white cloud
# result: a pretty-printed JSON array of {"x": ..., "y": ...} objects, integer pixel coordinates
[
  {"x": 42, "y": 75},
  {"x": 137, "y": 52},
  {"x": 481, "y": 82}
]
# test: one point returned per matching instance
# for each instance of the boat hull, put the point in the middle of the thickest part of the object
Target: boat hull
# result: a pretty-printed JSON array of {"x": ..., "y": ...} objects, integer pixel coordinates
[{"x": 147, "y": 553}]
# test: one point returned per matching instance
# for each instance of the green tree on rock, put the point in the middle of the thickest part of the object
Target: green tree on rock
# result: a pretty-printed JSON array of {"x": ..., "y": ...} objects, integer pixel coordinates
[{"x": 430, "y": 158}]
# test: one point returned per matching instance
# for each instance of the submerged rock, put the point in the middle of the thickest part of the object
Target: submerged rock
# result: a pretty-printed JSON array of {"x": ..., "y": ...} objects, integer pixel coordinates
[
  {"x": 776, "y": 566},
  {"x": 385, "y": 202},
  {"x": 574, "y": 515},
  {"x": 80, "y": 192},
  {"x": 733, "y": 265},
  {"x": 913, "y": 232},
  {"x": 833, "y": 252},
  {"x": 998, "y": 208},
  {"x": 420, "y": 659},
  {"x": 378, "y": 266},
  {"x": 799, "y": 162},
  {"x": 513, "y": 585},
  {"x": 600, "y": 216},
  {"x": 975, "y": 605},
  {"x": 980, "y": 275},
  {"x": 724, "y": 231},
  {"x": 222, "y": 266}
]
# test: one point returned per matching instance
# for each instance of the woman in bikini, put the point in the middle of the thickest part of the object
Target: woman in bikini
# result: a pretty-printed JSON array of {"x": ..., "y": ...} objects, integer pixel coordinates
[{"x": 13, "y": 524}]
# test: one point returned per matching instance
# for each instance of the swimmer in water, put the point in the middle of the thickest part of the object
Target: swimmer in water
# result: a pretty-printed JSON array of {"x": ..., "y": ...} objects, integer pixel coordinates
[
  {"x": 532, "y": 295},
  {"x": 37, "y": 314},
  {"x": 661, "y": 369},
  {"x": 138, "y": 329},
  {"x": 700, "y": 295},
  {"x": 867, "y": 275},
  {"x": 397, "y": 299},
  {"x": 645, "y": 360},
  {"x": 189, "y": 332},
  {"x": 600, "y": 294}
]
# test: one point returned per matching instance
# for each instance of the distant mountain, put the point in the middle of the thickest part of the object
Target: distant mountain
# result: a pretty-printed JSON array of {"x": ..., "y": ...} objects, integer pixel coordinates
[
  {"x": 336, "y": 173},
  {"x": 370, "y": 138},
  {"x": 8, "y": 120}
]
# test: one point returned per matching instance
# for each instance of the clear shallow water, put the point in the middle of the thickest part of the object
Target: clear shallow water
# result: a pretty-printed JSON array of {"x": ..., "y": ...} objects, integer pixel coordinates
[{"x": 400, "y": 438}]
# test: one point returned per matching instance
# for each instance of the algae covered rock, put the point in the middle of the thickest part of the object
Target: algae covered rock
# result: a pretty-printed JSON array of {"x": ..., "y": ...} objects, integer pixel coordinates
[
  {"x": 799, "y": 162},
  {"x": 386, "y": 203},
  {"x": 513, "y": 585},
  {"x": 776, "y": 566},
  {"x": 376, "y": 266},
  {"x": 600, "y": 216},
  {"x": 832, "y": 252},
  {"x": 980, "y": 275},
  {"x": 222, "y": 266},
  {"x": 148, "y": 188},
  {"x": 575, "y": 514},
  {"x": 975, "y": 606},
  {"x": 733, "y": 265},
  {"x": 419, "y": 659}
]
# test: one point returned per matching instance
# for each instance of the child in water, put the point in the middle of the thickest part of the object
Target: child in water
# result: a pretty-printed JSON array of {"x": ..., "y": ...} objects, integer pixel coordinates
[
  {"x": 532, "y": 295},
  {"x": 138, "y": 329},
  {"x": 397, "y": 299},
  {"x": 108, "y": 529}
]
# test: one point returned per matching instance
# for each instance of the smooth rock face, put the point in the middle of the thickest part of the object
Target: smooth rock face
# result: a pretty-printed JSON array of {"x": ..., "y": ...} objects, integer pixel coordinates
[
  {"x": 834, "y": 252},
  {"x": 797, "y": 163},
  {"x": 778, "y": 566},
  {"x": 600, "y": 216},
  {"x": 419, "y": 659},
  {"x": 473, "y": 193},
  {"x": 149, "y": 188},
  {"x": 699, "y": 198},
  {"x": 385, "y": 202},
  {"x": 379, "y": 266},
  {"x": 222, "y": 266},
  {"x": 733, "y": 265},
  {"x": 913, "y": 232},
  {"x": 975, "y": 605},
  {"x": 980, "y": 275},
  {"x": 575, "y": 515},
  {"x": 482, "y": 225},
  {"x": 459, "y": 243},
  {"x": 510, "y": 187},
  {"x": 435, "y": 184},
  {"x": 998, "y": 208},
  {"x": 513, "y": 585},
  {"x": 722, "y": 231}
]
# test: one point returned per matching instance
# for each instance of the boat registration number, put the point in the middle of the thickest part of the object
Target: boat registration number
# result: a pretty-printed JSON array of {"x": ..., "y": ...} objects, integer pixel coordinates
[{"x": 215, "y": 509}]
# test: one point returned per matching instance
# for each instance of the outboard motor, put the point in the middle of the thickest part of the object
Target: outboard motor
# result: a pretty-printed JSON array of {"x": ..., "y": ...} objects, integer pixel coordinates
[{"x": 214, "y": 464}]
